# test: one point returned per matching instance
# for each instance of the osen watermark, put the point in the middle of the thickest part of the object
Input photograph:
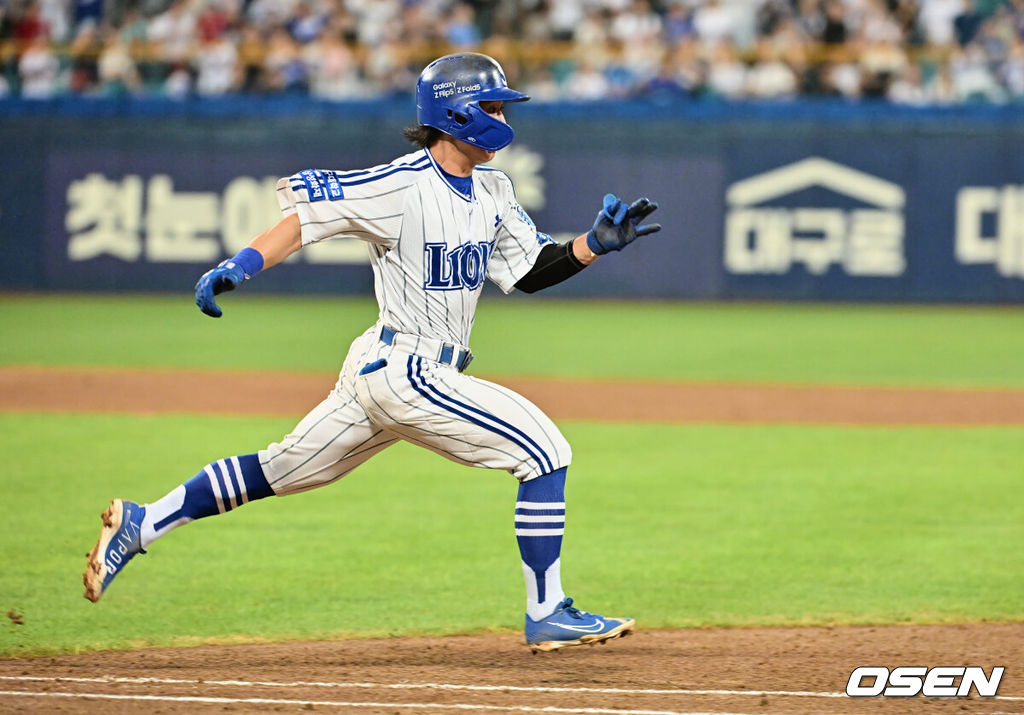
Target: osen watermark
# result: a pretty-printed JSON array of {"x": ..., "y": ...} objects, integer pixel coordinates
[{"x": 955, "y": 681}]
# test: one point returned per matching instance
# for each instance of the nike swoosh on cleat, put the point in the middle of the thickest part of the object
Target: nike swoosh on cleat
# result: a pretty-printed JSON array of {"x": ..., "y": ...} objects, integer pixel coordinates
[{"x": 594, "y": 627}]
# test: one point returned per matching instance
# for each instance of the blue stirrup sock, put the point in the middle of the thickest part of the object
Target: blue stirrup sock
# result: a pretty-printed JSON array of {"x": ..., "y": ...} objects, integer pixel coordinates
[
  {"x": 221, "y": 486},
  {"x": 540, "y": 524}
]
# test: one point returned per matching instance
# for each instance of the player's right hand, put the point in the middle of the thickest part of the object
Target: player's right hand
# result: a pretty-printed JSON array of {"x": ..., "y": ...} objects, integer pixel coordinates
[
  {"x": 228, "y": 275},
  {"x": 618, "y": 225}
]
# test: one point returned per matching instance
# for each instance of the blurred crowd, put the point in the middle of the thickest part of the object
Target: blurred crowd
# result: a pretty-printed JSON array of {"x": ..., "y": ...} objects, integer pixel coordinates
[{"x": 920, "y": 52}]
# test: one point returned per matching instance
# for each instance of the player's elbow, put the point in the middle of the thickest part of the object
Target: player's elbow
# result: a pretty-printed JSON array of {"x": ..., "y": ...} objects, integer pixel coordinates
[{"x": 527, "y": 287}]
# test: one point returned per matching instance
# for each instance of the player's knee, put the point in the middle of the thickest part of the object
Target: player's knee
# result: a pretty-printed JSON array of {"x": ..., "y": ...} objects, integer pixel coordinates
[
  {"x": 559, "y": 456},
  {"x": 564, "y": 453},
  {"x": 555, "y": 455}
]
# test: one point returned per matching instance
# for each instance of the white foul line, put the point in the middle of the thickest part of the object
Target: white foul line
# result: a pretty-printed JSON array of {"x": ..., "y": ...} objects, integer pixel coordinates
[
  {"x": 332, "y": 703},
  {"x": 436, "y": 686},
  {"x": 418, "y": 686}
]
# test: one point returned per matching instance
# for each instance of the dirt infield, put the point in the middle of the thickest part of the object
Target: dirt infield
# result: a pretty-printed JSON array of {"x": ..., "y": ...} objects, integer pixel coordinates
[
  {"x": 750, "y": 671},
  {"x": 740, "y": 670},
  {"x": 156, "y": 391}
]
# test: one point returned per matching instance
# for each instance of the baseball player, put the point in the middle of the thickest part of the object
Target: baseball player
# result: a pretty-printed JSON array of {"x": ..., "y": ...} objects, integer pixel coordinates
[{"x": 436, "y": 223}]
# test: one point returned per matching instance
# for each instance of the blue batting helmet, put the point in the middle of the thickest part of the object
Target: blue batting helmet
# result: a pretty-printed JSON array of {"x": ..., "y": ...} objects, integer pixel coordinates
[{"x": 448, "y": 96}]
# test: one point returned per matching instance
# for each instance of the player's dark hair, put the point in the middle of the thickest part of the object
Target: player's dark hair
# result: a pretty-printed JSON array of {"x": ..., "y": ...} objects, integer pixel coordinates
[{"x": 422, "y": 136}]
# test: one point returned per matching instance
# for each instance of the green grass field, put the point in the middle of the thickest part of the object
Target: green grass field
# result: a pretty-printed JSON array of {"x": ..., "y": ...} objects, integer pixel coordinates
[
  {"x": 847, "y": 344},
  {"x": 675, "y": 525}
]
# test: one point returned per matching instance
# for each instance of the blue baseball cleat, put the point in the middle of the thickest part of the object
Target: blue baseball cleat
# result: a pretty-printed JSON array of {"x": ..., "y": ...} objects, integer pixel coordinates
[
  {"x": 120, "y": 540},
  {"x": 570, "y": 626}
]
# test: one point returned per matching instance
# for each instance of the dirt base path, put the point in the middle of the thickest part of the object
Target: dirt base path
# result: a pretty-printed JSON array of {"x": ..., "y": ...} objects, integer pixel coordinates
[
  {"x": 759, "y": 670},
  {"x": 246, "y": 393}
]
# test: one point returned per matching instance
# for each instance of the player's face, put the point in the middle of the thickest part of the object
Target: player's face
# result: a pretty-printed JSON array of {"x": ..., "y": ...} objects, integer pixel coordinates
[{"x": 495, "y": 109}]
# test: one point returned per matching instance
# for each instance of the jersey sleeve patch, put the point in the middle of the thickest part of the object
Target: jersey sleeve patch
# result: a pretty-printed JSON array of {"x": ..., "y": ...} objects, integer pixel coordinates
[
  {"x": 522, "y": 214},
  {"x": 321, "y": 185}
]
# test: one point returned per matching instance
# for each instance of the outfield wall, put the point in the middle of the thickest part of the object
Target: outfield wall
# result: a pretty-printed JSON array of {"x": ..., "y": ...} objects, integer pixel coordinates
[{"x": 758, "y": 202}]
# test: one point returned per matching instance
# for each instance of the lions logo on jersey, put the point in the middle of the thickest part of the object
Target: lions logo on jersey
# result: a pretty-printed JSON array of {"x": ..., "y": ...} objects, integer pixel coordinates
[{"x": 462, "y": 267}]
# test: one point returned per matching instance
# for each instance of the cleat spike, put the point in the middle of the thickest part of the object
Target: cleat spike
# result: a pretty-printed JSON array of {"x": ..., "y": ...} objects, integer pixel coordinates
[{"x": 120, "y": 540}]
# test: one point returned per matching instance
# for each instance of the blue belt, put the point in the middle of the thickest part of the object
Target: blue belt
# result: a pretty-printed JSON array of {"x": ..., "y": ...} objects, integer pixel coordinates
[{"x": 446, "y": 354}]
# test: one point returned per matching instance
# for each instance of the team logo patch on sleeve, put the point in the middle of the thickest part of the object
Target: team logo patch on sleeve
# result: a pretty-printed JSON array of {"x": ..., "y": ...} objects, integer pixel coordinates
[
  {"x": 522, "y": 214},
  {"x": 333, "y": 186},
  {"x": 322, "y": 185}
]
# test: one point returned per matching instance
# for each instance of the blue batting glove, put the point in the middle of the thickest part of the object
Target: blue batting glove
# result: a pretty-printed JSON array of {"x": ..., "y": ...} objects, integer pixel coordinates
[
  {"x": 618, "y": 225},
  {"x": 228, "y": 275}
]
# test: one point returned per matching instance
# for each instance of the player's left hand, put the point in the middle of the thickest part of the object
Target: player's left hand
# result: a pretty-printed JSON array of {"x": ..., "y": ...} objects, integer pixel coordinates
[
  {"x": 228, "y": 275},
  {"x": 618, "y": 225}
]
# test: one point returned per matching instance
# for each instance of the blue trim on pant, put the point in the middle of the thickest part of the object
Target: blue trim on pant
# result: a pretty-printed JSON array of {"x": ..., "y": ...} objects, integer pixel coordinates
[{"x": 543, "y": 461}]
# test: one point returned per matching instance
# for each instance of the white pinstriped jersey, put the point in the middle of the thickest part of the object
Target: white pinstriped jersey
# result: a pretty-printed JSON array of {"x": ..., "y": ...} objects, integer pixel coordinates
[
  {"x": 431, "y": 248},
  {"x": 430, "y": 245}
]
